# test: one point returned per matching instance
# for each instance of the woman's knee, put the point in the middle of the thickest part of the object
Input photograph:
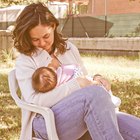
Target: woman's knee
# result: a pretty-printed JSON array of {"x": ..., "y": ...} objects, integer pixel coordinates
[{"x": 96, "y": 94}]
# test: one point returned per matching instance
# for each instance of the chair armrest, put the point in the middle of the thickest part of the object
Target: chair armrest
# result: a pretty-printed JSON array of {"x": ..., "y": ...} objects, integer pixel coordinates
[{"x": 46, "y": 112}]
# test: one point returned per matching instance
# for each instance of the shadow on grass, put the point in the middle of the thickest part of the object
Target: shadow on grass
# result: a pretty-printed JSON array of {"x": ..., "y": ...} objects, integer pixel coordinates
[
  {"x": 4, "y": 83},
  {"x": 10, "y": 118},
  {"x": 129, "y": 92},
  {"x": 10, "y": 133}
]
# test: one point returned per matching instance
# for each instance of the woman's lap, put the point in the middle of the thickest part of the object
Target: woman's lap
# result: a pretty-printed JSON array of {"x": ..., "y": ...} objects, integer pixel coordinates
[
  {"x": 73, "y": 127},
  {"x": 70, "y": 112},
  {"x": 65, "y": 123}
]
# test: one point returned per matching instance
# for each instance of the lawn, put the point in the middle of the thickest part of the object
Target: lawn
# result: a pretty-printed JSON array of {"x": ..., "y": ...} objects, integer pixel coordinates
[{"x": 123, "y": 73}]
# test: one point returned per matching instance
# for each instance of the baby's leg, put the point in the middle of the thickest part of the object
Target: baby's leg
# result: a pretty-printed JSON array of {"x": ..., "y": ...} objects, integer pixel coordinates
[{"x": 116, "y": 100}]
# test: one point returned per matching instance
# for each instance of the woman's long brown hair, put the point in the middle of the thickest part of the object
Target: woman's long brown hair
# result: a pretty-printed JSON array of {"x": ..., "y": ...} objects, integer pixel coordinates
[{"x": 31, "y": 16}]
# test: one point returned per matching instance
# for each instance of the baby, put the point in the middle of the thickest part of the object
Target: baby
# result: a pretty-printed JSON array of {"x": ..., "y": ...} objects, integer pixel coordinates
[
  {"x": 45, "y": 79},
  {"x": 116, "y": 100}
]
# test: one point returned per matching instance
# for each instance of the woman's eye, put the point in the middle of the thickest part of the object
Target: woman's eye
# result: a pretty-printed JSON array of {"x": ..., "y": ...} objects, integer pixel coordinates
[
  {"x": 46, "y": 37},
  {"x": 34, "y": 40}
]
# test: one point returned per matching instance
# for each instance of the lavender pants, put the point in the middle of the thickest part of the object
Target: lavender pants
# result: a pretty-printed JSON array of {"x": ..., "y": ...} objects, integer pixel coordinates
[{"x": 90, "y": 114}]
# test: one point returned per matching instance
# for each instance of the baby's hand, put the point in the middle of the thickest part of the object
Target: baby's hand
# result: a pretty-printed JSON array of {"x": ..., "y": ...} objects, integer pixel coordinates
[
  {"x": 103, "y": 81},
  {"x": 96, "y": 83}
]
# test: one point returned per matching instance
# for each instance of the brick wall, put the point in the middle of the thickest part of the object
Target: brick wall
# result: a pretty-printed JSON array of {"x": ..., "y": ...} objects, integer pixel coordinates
[{"x": 115, "y": 7}]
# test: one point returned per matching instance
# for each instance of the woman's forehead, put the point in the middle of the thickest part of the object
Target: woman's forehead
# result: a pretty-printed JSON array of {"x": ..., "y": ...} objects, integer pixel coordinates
[{"x": 40, "y": 31}]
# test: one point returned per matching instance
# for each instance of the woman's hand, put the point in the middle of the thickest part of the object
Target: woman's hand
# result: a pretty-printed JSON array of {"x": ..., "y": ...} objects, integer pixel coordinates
[
  {"x": 84, "y": 82},
  {"x": 103, "y": 81}
]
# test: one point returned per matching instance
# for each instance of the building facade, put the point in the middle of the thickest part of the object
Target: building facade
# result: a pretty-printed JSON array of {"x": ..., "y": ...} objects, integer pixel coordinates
[{"x": 113, "y": 7}]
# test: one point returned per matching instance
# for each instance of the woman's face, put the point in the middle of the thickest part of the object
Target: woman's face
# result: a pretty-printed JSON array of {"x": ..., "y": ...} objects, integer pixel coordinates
[{"x": 42, "y": 36}]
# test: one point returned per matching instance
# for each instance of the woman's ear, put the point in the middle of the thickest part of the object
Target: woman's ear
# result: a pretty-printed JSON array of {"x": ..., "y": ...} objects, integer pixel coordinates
[{"x": 53, "y": 25}]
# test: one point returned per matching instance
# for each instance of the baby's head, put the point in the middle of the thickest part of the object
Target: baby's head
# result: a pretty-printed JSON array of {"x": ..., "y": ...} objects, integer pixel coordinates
[
  {"x": 96, "y": 77},
  {"x": 44, "y": 79}
]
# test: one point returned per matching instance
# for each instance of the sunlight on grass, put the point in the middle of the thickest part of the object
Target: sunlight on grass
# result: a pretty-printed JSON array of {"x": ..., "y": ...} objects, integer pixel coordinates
[
  {"x": 3, "y": 95},
  {"x": 113, "y": 67},
  {"x": 11, "y": 107},
  {"x": 5, "y": 70}
]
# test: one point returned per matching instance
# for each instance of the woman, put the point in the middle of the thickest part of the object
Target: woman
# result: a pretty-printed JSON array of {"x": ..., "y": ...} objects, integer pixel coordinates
[{"x": 78, "y": 105}]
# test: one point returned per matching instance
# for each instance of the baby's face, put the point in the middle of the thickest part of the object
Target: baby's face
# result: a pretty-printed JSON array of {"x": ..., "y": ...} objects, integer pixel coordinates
[{"x": 96, "y": 78}]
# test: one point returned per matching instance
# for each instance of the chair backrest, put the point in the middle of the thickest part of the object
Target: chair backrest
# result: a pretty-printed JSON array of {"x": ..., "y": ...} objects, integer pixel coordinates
[
  {"x": 46, "y": 112},
  {"x": 13, "y": 85}
]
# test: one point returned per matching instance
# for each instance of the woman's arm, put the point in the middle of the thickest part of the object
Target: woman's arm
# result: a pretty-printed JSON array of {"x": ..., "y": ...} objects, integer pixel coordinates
[{"x": 25, "y": 67}]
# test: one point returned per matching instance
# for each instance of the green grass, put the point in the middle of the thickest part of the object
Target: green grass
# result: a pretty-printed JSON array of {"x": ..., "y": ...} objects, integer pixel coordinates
[
  {"x": 123, "y": 73},
  {"x": 9, "y": 112}
]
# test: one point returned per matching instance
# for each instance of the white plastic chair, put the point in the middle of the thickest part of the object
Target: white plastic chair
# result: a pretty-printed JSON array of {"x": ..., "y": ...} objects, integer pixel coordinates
[{"x": 46, "y": 112}]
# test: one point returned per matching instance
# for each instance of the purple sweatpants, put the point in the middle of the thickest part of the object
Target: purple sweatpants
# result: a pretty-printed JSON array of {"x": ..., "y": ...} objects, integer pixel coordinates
[{"x": 90, "y": 114}]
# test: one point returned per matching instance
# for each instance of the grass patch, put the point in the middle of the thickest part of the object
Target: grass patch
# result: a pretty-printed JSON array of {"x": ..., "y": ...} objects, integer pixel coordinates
[
  {"x": 9, "y": 113},
  {"x": 123, "y": 72},
  {"x": 119, "y": 68},
  {"x": 129, "y": 92}
]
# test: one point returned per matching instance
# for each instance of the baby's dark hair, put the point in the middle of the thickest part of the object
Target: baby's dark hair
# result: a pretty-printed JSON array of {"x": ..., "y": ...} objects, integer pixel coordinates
[
  {"x": 44, "y": 79},
  {"x": 96, "y": 76}
]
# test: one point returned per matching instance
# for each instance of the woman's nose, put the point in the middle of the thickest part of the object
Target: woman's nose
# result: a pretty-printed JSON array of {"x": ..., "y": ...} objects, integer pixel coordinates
[{"x": 42, "y": 43}]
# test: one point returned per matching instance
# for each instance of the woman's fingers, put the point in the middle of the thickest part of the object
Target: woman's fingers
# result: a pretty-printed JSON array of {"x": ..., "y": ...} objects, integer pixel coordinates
[
  {"x": 103, "y": 81},
  {"x": 83, "y": 82}
]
